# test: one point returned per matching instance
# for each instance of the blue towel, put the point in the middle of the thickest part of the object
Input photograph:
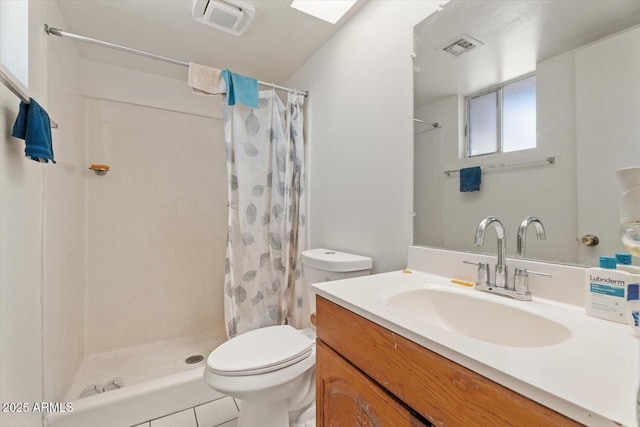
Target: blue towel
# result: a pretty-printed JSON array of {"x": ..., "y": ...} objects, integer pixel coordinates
[
  {"x": 33, "y": 125},
  {"x": 241, "y": 89},
  {"x": 470, "y": 179}
]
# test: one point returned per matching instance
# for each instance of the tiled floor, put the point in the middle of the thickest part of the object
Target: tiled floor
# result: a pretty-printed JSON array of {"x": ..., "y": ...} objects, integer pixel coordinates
[{"x": 219, "y": 413}]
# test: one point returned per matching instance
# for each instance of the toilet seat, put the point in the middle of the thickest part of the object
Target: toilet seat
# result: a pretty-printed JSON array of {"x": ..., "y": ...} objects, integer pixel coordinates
[{"x": 260, "y": 351}]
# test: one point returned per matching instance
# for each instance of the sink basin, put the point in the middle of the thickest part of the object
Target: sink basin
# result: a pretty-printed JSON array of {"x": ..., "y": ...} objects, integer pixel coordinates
[{"x": 479, "y": 318}]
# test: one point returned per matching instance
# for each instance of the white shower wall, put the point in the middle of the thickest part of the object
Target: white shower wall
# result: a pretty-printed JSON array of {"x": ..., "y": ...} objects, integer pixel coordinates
[
  {"x": 64, "y": 231},
  {"x": 63, "y": 226},
  {"x": 41, "y": 233},
  {"x": 156, "y": 223}
]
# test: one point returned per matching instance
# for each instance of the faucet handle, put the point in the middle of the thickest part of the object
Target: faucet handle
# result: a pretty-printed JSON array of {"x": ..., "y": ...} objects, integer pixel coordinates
[
  {"x": 521, "y": 280},
  {"x": 483, "y": 272},
  {"x": 537, "y": 273},
  {"x": 520, "y": 271}
]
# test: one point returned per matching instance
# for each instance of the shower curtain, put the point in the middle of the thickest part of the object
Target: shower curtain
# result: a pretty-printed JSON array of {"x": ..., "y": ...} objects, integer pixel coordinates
[{"x": 265, "y": 175}]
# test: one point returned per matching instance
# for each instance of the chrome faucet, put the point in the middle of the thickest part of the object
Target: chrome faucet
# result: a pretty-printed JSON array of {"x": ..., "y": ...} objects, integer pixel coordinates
[
  {"x": 520, "y": 288},
  {"x": 521, "y": 276},
  {"x": 522, "y": 233},
  {"x": 501, "y": 267}
]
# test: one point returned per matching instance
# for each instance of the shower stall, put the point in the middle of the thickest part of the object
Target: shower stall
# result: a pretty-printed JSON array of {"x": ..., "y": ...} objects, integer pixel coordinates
[
  {"x": 112, "y": 283},
  {"x": 154, "y": 241},
  {"x": 128, "y": 341}
]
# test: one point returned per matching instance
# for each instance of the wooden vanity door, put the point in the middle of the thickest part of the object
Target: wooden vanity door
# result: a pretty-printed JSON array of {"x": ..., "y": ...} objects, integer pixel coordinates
[{"x": 348, "y": 398}]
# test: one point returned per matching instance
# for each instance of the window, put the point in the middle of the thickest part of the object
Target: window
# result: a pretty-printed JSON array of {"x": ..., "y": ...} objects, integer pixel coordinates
[
  {"x": 502, "y": 119},
  {"x": 14, "y": 38}
]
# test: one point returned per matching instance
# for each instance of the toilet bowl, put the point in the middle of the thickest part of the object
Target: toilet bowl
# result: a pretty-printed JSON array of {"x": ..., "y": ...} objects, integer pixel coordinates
[{"x": 271, "y": 371}]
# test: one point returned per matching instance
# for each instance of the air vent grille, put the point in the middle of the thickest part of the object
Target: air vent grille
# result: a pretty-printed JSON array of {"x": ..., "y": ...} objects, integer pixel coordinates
[
  {"x": 461, "y": 44},
  {"x": 232, "y": 16},
  {"x": 225, "y": 19}
]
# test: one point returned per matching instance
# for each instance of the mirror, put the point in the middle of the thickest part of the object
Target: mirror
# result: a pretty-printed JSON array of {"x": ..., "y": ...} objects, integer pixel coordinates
[{"x": 585, "y": 55}]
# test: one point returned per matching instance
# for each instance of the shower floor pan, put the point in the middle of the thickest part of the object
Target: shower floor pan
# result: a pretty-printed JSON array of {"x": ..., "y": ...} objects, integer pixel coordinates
[{"x": 156, "y": 381}]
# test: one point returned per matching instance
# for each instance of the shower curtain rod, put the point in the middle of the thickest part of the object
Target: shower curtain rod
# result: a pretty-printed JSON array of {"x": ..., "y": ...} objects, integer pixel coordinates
[
  {"x": 64, "y": 34},
  {"x": 435, "y": 125}
]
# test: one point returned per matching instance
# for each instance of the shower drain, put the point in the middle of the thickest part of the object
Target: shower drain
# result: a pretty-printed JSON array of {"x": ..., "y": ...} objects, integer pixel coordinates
[{"x": 197, "y": 358}]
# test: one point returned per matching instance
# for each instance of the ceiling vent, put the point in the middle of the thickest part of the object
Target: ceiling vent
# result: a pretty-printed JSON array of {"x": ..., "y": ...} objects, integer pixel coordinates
[
  {"x": 232, "y": 16},
  {"x": 461, "y": 44}
]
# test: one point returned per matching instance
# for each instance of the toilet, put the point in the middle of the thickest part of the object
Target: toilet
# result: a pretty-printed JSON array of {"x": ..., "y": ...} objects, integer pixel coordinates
[{"x": 271, "y": 371}]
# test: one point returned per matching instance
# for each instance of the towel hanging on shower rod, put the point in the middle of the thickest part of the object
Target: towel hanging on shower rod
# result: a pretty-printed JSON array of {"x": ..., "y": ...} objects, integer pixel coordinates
[
  {"x": 64, "y": 34},
  {"x": 12, "y": 83}
]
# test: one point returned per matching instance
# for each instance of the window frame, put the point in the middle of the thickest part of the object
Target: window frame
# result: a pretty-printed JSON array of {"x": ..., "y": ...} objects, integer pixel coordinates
[
  {"x": 499, "y": 114},
  {"x": 17, "y": 61}
]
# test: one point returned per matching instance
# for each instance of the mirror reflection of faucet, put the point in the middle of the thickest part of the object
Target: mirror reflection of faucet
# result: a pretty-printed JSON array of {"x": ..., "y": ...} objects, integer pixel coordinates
[
  {"x": 522, "y": 233},
  {"x": 521, "y": 276},
  {"x": 520, "y": 287}
]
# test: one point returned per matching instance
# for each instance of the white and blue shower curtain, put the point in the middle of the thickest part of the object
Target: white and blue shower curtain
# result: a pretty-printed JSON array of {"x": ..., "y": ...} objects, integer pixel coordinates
[{"x": 266, "y": 235}]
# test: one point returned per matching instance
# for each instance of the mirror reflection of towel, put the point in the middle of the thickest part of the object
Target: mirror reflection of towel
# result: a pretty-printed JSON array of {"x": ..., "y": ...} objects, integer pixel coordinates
[{"x": 470, "y": 179}]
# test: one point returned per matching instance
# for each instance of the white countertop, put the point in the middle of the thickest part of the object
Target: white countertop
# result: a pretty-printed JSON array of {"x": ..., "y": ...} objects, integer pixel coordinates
[{"x": 592, "y": 377}]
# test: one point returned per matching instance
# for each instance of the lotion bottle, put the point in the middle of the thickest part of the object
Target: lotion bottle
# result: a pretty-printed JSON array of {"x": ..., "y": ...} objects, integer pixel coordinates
[{"x": 606, "y": 291}]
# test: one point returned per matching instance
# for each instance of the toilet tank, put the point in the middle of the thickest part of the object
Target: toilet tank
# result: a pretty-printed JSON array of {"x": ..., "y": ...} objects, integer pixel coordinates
[{"x": 325, "y": 265}]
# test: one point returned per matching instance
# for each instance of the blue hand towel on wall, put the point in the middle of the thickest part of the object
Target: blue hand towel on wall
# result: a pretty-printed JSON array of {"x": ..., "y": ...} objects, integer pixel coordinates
[
  {"x": 33, "y": 125},
  {"x": 470, "y": 179},
  {"x": 241, "y": 89}
]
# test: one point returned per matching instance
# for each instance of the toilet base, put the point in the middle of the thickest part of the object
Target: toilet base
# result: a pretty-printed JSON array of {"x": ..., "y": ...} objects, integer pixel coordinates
[
  {"x": 275, "y": 414},
  {"x": 306, "y": 419},
  {"x": 264, "y": 414}
]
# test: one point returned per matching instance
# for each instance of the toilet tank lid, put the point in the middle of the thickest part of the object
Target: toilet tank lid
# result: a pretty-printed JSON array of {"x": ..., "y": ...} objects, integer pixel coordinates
[{"x": 330, "y": 260}]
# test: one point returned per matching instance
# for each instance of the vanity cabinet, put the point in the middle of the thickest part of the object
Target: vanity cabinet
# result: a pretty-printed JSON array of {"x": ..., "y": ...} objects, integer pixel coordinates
[
  {"x": 370, "y": 376},
  {"x": 350, "y": 398}
]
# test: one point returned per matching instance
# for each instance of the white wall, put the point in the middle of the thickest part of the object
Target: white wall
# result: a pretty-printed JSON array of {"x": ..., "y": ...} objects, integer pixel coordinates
[
  {"x": 20, "y": 271},
  {"x": 157, "y": 222},
  {"x": 40, "y": 236},
  {"x": 608, "y": 132},
  {"x": 360, "y": 133},
  {"x": 511, "y": 194},
  {"x": 428, "y": 171},
  {"x": 63, "y": 194},
  {"x": 104, "y": 81},
  {"x": 556, "y": 128}
]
